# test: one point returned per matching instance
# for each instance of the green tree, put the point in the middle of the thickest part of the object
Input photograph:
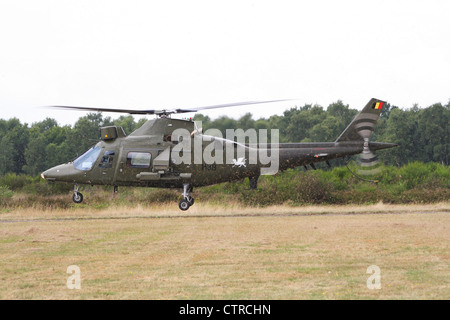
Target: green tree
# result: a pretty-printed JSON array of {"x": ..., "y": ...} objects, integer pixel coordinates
[
  {"x": 298, "y": 122},
  {"x": 422, "y": 133},
  {"x": 35, "y": 154},
  {"x": 342, "y": 112},
  {"x": 13, "y": 142},
  {"x": 223, "y": 123},
  {"x": 433, "y": 127},
  {"x": 246, "y": 122},
  {"x": 6, "y": 155},
  {"x": 47, "y": 146},
  {"x": 401, "y": 128},
  {"x": 327, "y": 130},
  {"x": 86, "y": 132}
]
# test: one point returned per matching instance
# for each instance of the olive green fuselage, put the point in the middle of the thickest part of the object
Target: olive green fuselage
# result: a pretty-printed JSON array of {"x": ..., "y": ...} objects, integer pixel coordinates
[{"x": 147, "y": 158}]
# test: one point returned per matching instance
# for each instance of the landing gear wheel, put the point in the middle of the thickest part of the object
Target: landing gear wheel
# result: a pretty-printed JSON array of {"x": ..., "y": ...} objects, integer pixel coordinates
[
  {"x": 187, "y": 201},
  {"x": 77, "y": 197},
  {"x": 184, "y": 205}
]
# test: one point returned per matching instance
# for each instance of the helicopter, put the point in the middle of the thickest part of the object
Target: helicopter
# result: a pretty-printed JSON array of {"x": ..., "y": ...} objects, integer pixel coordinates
[{"x": 175, "y": 153}]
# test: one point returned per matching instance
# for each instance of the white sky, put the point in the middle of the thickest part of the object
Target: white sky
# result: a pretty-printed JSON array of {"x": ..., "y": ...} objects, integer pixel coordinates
[{"x": 184, "y": 54}]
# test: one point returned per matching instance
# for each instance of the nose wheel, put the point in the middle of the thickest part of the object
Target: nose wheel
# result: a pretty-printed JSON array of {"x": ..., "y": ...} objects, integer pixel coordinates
[
  {"x": 77, "y": 196},
  {"x": 187, "y": 200}
]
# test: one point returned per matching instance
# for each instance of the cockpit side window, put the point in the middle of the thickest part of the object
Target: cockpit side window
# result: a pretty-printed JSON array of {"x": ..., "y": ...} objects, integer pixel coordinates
[
  {"x": 87, "y": 160},
  {"x": 139, "y": 159},
  {"x": 107, "y": 160}
]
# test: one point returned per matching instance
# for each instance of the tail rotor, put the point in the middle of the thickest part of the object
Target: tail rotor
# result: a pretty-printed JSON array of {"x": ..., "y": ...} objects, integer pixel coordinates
[{"x": 366, "y": 165}]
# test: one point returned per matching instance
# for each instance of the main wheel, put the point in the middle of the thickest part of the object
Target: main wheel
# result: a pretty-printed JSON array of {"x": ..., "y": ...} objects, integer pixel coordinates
[
  {"x": 191, "y": 201},
  {"x": 77, "y": 197},
  {"x": 184, "y": 205}
]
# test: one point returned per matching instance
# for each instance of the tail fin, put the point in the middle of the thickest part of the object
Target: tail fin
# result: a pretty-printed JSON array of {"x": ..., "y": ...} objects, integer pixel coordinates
[{"x": 362, "y": 126}]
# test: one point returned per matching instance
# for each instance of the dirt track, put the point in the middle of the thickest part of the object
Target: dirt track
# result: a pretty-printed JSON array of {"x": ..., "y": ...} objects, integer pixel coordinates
[
  {"x": 263, "y": 215},
  {"x": 206, "y": 211}
]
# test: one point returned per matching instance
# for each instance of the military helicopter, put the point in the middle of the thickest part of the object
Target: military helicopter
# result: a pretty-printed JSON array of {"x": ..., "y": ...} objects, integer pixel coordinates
[{"x": 174, "y": 153}]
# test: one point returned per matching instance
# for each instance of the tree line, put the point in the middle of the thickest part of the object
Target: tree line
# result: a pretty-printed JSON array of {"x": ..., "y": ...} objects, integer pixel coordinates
[{"x": 422, "y": 133}]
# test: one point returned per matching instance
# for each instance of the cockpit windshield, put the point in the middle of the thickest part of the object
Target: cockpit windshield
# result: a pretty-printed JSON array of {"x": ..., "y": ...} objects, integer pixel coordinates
[{"x": 87, "y": 160}]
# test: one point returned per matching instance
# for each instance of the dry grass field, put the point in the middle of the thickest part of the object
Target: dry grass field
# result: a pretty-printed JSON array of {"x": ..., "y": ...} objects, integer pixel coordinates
[{"x": 317, "y": 252}]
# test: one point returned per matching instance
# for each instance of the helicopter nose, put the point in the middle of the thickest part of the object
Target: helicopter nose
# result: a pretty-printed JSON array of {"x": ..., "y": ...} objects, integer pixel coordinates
[
  {"x": 59, "y": 173},
  {"x": 49, "y": 175}
]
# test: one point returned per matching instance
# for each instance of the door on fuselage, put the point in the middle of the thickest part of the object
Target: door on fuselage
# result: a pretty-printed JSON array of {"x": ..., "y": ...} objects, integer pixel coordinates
[
  {"x": 106, "y": 165},
  {"x": 135, "y": 164}
]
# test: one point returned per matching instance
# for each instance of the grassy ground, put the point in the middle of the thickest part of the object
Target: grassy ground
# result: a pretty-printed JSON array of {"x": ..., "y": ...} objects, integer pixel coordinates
[{"x": 317, "y": 252}]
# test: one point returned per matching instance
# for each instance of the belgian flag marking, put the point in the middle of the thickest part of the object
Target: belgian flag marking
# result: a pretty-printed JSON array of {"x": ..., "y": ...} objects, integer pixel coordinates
[{"x": 378, "y": 105}]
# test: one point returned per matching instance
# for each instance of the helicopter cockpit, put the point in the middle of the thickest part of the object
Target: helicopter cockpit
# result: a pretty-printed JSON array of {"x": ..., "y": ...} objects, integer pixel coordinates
[{"x": 86, "y": 161}]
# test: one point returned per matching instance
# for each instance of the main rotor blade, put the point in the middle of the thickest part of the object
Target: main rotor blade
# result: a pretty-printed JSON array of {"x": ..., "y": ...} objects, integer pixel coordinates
[
  {"x": 130, "y": 111},
  {"x": 226, "y": 105},
  {"x": 167, "y": 111}
]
